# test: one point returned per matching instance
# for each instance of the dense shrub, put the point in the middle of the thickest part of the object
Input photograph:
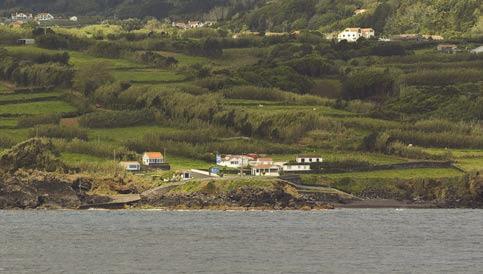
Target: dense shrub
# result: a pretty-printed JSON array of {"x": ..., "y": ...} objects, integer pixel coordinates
[
  {"x": 61, "y": 132},
  {"x": 371, "y": 83},
  {"x": 105, "y": 49},
  {"x": 31, "y": 121},
  {"x": 443, "y": 77},
  {"x": 155, "y": 59},
  {"x": 112, "y": 119}
]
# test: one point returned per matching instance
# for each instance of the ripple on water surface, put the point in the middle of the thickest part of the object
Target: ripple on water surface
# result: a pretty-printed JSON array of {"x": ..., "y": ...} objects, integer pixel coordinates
[{"x": 337, "y": 241}]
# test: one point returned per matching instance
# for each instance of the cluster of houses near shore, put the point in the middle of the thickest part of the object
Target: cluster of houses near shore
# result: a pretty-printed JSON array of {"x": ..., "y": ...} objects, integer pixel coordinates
[
  {"x": 263, "y": 166},
  {"x": 251, "y": 164}
]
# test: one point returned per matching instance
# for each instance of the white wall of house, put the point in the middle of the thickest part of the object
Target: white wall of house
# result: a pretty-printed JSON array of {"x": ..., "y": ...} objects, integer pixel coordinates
[
  {"x": 305, "y": 160},
  {"x": 295, "y": 167},
  {"x": 273, "y": 171},
  {"x": 152, "y": 161},
  {"x": 350, "y": 35},
  {"x": 235, "y": 162}
]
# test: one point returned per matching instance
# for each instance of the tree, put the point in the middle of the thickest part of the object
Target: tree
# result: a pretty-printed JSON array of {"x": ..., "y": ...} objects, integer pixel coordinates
[
  {"x": 131, "y": 24},
  {"x": 371, "y": 83},
  {"x": 87, "y": 79}
]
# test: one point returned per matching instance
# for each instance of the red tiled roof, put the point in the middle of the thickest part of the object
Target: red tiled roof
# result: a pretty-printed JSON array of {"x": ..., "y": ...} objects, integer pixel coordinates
[{"x": 153, "y": 155}]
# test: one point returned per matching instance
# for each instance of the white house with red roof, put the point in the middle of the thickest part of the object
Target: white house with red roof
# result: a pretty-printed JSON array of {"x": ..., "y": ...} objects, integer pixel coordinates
[{"x": 153, "y": 158}]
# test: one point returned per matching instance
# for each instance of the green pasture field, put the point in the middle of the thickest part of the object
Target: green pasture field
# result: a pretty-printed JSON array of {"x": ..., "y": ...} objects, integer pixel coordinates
[
  {"x": 470, "y": 164},
  {"x": 76, "y": 158},
  {"x": 37, "y": 108},
  {"x": 8, "y": 122},
  {"x": 417, "y": 173},
  {"x": 27, "y": 97},
  {"x": 77, "y": 58},
  {"x": 184, "y": 59},
  {"x": 18, "y": 135}
]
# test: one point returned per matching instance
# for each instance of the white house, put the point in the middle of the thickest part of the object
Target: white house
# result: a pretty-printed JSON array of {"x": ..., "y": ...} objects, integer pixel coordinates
[
  {"x": 44, "y": 17},
  {"x": 308, "y": 159},
  {"x": 153, "y": 158},
  {"x": 353, "y": 34},
  {"x": 235, "y": 161},
  {"x": 131, "y": 166},
  {"x": 73, "y": 18},
  {"x": 266, "y": 170},
  {"x": 478, "y": 50},
  {"x": 20, "y": 16}
]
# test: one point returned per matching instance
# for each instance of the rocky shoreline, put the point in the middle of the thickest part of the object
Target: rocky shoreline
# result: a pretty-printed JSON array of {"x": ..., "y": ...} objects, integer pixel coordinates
[{"x": 32, "y": 177}]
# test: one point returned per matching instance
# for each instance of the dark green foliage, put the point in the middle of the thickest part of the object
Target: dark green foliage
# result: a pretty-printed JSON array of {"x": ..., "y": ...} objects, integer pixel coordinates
[
  {"x": 61, "y": 132},
  {"x": 106, "y": 49},
  {"x": 156, "y": 59},
  {"x": 313, "y": 65},
  {"x": 113, "y": 119},
  {"x": 283, "y": 77},
  {"x": 31, "y": 121},
  {"x": 28, "y": 74},
  {"x": 371, "y": 83},
  {"x": 35, "y": 153}
]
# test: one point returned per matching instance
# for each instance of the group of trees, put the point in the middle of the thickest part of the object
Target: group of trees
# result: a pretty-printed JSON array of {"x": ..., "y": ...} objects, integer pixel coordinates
[{"x": 48, "y": 70}]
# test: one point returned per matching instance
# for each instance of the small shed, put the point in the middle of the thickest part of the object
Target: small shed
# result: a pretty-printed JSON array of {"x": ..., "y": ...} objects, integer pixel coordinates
[
  {"x": 26, "y": 41},
  {"x": 447, "y": 48},
  {"x": 130, "y": 166},
  {"x": 478, "y": 50}
]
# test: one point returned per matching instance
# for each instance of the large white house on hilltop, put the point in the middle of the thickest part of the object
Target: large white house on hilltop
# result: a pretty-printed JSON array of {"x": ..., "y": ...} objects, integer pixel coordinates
[
  {"x": 353, "y": 34},
  {"x": 44, "y": 17}
]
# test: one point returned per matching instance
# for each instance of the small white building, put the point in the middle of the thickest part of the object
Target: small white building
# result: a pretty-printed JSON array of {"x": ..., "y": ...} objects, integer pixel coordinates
[
  {"x": 353, "y": 34},
  {"x": 131, "y": 166},
  {"x": 309, "y": 159},
  {"x": 44, "y": 17},
  {"x": 26, "y": 41},
  {"x": 478, "y": 50},
  {"x": 235, "y": 161},
  {"x": 153, "y": 158},
  {"x": 266, "y": 170},
  {"x": 292, "y": 167}
]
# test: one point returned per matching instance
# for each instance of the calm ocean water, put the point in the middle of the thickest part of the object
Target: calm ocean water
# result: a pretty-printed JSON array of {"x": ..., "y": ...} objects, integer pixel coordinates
[{"x": 338, "y": 241}]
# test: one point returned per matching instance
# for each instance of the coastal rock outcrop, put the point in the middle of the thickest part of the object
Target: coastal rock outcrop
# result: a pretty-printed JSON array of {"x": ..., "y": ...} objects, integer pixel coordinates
[{"x": 278, "y": 195}]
